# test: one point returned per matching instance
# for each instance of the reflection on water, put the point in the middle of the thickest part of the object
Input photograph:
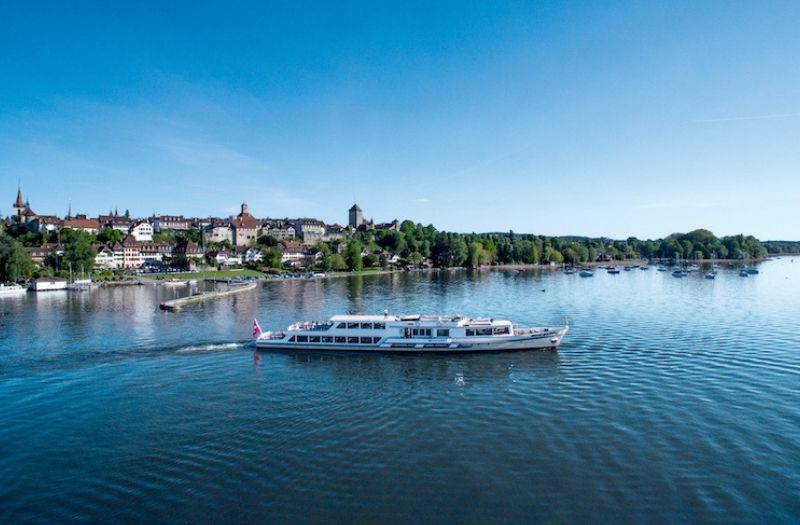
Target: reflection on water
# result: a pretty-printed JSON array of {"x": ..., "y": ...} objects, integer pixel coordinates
[{"x": 670, "y": 398}]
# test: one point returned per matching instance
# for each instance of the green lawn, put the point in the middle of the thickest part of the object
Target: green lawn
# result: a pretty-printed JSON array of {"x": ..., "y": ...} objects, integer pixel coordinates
[{"x": 207, "y": 274}]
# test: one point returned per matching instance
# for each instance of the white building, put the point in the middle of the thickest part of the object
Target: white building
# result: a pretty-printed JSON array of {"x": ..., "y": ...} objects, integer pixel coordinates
[
  {"x": 142, "y": 231},
  {"x": 310, "y": 230},
  {"x": 104, "y": 258}
]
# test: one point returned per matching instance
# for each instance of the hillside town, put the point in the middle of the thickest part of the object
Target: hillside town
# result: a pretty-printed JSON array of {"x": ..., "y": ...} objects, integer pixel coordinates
[
  {"x": 117, "y": 245},
  {"x": 121, "y": 241}
]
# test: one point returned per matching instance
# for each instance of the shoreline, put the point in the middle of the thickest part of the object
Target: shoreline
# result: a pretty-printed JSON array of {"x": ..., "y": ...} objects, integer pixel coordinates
[{"x": 157, "y": 279}]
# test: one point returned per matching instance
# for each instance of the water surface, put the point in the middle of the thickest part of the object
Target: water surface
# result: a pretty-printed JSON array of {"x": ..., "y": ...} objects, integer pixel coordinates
[{"x": 671, "y": 400}]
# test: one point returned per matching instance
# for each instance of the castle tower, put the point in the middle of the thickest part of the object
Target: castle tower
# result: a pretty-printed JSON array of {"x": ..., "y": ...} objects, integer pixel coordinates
[
  {"x": 355, "y": 217},
  {"x": 244, "y": 208}
]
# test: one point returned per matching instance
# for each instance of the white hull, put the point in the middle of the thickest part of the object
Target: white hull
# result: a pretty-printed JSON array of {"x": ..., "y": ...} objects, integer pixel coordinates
[
  {"x": 550, "y": 343},
  {"x": 411, "y": 335}
]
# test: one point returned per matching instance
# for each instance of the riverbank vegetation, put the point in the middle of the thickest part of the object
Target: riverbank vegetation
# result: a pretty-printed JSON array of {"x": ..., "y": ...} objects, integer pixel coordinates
[{"x": 414, "y": 245}]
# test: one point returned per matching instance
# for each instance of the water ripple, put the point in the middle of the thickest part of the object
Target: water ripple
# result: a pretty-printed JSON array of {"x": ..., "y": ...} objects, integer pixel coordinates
[{"x": 670, "y": 400}]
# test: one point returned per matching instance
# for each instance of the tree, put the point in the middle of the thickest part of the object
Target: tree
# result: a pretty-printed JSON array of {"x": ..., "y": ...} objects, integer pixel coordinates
[
  {"x": 273, "y": 258},
  {"x": 325, "y": 257},
  {"x": 476, "y": 254},
  {"x": 371, "y": 261},
  {"x": 15, "y": 263},
  {"x": 353, "y": 256},
  {"x": 109, "y": 235},
  {"x": 78, "y": 250},
  {"x": 338, "y": 262}
]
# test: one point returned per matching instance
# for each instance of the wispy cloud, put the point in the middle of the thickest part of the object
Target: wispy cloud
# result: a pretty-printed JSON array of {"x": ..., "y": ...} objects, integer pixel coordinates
[
  {"x": 751, "y": 117},
  {"x": 421, "y": 200}
]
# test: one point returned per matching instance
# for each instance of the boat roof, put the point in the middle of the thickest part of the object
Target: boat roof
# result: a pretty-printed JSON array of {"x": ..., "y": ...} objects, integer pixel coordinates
[
  {"x": 364, "y": 318},
  {"x": 439, "y": 319}
]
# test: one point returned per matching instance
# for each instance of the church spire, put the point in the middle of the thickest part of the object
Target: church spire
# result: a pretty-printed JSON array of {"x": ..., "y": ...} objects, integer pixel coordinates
[{"x": 20, "y": 202}]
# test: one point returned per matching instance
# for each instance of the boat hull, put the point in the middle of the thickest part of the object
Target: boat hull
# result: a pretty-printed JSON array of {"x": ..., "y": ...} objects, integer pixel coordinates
[{"x": 549, "y": 340}]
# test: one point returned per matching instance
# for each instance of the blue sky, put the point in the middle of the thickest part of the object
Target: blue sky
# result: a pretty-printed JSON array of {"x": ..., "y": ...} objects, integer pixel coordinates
[{"x": 615, "y": 119}]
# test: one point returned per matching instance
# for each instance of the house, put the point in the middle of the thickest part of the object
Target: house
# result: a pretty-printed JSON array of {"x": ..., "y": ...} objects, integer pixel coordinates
[
  {"x": 45, "y": 223},
  {"x": 218, "y": 231},
  {"x": 115, "y": 221},
  {"x": 142, "y": 231},
  {"x": 311, "y": 231},
  {"x": 104, "y": 257},
  {"x": 131, "y": 254},
  {"x": 82, "y": 223},
  {"x": 39, "y": 253},
  {"x": 245, "y": 227},
  {"x": 187, "y": 253},
  {"x": 292, "y": 254},
  {"x": 153, "y": 254},
  {"x": 170, "y": 222},
  {"x": 394, "y": 226},
  {"x": 119, "y": 254},
  {"x": 224, "y": 257},
  {"x": 333, "y": 232},
  {"x": 277, "y": 229},
  {"x": 250, "y": 255}
]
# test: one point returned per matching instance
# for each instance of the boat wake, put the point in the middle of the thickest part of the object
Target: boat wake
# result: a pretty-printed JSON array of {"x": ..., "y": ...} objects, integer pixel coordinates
[
  {"x": 211, "y": 347},
  {"x": 70, "y": 359}
]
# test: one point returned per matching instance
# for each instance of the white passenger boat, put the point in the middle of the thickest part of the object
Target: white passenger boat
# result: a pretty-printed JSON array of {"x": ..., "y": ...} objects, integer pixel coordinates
[
  {"x": 410, "y": 333},
  {"x": 11, "y": 289}
]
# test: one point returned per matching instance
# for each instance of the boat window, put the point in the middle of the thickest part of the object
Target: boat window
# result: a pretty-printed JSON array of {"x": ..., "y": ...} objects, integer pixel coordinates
[
  {"x": 366, "y": 326},
  {"x": 379, "y": 326},
  {"x": 302, "y": 338},
  {"x": 352, "y": 325},
  {"x": 470, "y": 331},
  {"x": 500, "y": 330},
  {"x": 292, "y": 339},
  {"x": 442, "y": 332},
  {"x": 421, "y": 332},
  {"x": 313, "y": 339},
  {"x": 352, "y": 340},
  {"x": 341, "y": 325},
  {"x": 376, "y": 340},
  {"x": 327, "y": 339},
  {"x": 484, "y": 331},
  {"x": 366, "y": 340},
  {"x": 340, "y": 339}
]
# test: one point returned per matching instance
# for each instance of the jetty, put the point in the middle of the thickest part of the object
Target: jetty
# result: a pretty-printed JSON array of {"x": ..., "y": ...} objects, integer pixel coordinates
[{"x": 176, "y": 304}]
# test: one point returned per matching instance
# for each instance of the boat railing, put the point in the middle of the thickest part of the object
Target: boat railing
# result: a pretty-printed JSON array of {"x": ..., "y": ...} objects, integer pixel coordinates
[
  {"x": 311, "y": 326},
  {"x": 529, "y": 331}
]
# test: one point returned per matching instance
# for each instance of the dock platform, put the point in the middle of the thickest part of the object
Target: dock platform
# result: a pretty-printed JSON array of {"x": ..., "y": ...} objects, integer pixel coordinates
[{"x": 176, "y": 304}]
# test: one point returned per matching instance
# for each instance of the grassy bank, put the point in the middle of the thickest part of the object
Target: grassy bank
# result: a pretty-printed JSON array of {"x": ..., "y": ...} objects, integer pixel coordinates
[{"x": 205, "y": 274}]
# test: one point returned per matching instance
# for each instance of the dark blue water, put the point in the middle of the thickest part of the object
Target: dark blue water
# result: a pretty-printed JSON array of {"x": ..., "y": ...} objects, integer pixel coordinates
[{"x": 671, "y": 400}]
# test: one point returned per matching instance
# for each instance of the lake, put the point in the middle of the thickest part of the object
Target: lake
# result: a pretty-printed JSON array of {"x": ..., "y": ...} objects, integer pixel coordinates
[{"x": 670, "y": 400}]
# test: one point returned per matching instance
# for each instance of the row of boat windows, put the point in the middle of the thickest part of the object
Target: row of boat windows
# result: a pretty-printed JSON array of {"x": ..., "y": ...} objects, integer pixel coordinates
[
  {"x": 427, "y": 332},
  {"x": 353, "y": 340},
  {"x": 497, "y": 330},
  {"x": 363, "y": 326}
]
